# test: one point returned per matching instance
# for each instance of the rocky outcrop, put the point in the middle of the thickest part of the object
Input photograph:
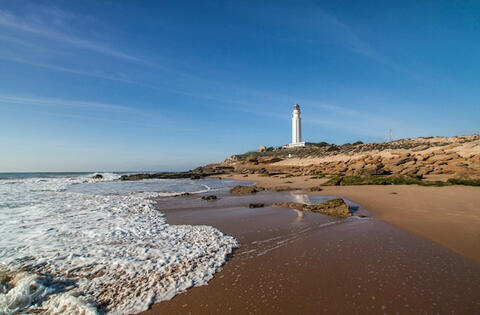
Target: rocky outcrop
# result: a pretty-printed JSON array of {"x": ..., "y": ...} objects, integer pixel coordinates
[
  {"x": 282, "y": 188},
  {"x": 455, "y": 157},
  {"x": 163, "y": 175},
  {"x": 335, "y": 207},
  {"x": 245, "y": 190},
  {"x": 198, "y": 173}
]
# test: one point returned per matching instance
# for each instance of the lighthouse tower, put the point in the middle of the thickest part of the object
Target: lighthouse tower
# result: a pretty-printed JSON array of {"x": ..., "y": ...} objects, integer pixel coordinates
[
  {"x": 296, "y": 129},
  {"x": 296, "y": 125}
]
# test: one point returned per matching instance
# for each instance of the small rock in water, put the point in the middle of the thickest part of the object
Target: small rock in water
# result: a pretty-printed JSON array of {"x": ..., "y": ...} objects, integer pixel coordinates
[
  {"x": 334, "y": 207},
  {"x": 209, "y": 197},
  {"x": 256, "y": 205},
  {"x": 98, "y": 176},
  {"x": 244, "y": 190},
  {"x": 282, "y": 188}
]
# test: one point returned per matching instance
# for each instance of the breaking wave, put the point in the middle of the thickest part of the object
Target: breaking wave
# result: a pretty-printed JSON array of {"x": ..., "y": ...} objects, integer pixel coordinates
[{"x": 84, "y": 245}]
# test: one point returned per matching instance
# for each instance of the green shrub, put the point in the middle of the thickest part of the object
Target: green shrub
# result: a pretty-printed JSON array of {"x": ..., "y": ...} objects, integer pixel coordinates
[
  {"x": 381, "y": 180},
  {"x": 321, "y": 144},
  {"x": 464, "y": 181},
  {"x": 357, "y": 143}
]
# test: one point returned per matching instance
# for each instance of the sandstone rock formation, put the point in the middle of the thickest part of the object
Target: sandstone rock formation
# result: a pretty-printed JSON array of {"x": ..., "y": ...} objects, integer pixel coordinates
[
  {"x": 455, "y": 157},
  {"x": 245, "y": 190},
  {"x": 335, "y": 207}
]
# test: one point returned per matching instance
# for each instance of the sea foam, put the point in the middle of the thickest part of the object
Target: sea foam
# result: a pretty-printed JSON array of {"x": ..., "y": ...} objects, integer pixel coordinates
[{"x": 65, "y": 249}]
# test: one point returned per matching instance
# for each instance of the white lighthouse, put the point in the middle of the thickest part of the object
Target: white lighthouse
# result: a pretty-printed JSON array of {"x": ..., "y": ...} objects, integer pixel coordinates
[
  {"x": 296, "y": 125},
  {"x": 296, "y": 128}
]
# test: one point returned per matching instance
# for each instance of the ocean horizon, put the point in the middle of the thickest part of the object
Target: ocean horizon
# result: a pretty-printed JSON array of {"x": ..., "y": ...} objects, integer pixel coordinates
[{"x": 11, "y": 175}]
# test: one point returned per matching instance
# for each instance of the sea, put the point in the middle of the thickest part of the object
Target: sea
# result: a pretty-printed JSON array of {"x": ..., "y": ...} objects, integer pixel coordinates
[{"x": 73, "y": 244}]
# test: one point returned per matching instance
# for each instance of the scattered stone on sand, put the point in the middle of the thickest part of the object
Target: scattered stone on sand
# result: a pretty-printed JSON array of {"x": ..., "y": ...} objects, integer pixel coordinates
[
  {"x": 98, "y": 176},
  {"x": 256, "y": 205},
  {"x": 316, "y": 188},
  {"x": 282, "y": 188},
  {"x": 334, "y": 207},
  {"x": 245, "y": 190},
  {"x": 209, "y": 197},
  {"x": 185, "y": 194}
]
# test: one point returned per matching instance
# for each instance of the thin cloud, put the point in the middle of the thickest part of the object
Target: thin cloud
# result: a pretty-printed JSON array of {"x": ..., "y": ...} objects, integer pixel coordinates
[
  {"x": 7, "y": 19},
  {"x": 263, "y": 98},
  {"x": 40, "y": 101},
  {"x": 354, "y": 43},
  {"x": 71, "y": 70},
  {"x": 134, "y": 123},
  {"x": 317, "y": 25},
  {"x": 38, "y": 28}
]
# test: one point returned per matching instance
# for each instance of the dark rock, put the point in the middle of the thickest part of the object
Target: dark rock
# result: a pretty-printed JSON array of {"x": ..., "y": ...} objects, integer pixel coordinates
[
  {"x": 170, "y": 175},
  {"x": 256, "y": 205},
  {"x": 98, "y": 176},
  {"x": 209, "y": 197},
  {"x": 316, "y": 188},
  {"x": 282, "y": 188},
  {"x": 245, "y": 190},
  {"x": 335, "y": 207}
]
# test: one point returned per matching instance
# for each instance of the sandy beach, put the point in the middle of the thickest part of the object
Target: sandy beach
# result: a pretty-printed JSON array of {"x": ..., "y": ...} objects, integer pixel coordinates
[{"x": 293, "y": 262}]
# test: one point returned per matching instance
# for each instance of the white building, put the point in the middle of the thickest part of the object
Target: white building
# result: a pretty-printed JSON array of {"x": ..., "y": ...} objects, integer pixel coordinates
[{"x": 296, "y": 128}]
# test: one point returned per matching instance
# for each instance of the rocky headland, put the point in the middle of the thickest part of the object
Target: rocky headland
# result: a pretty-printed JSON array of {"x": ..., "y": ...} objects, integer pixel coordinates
[{"x": 421, "y": 158}]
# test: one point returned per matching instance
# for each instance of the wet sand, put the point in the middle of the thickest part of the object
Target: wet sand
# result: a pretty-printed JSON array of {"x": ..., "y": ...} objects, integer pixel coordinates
[
  {"x": 292, "y": 262},
  {"x": 448, "y": 216}
]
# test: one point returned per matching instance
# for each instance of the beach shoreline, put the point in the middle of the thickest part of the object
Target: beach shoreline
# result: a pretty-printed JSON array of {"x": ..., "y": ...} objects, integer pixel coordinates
[{"x": 330, "y": 265}]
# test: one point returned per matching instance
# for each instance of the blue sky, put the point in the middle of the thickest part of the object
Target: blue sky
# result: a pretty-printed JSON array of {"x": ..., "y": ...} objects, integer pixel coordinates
[{"x": 142, "y": 85}]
